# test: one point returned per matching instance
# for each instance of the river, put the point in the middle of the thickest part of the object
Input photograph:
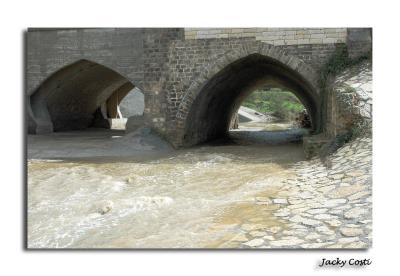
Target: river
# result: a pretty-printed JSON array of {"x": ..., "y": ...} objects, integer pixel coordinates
[{"x": 194, "y": 198}]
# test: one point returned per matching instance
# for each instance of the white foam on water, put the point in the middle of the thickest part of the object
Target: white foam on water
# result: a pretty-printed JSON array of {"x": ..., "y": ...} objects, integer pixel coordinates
[
  {"x": 170, "y": 202},
  {"x": 143, "y": 203}
]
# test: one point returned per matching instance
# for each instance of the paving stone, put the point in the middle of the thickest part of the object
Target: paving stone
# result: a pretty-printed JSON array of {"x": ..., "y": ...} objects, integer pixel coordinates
[
  {"x": 356, "y": 212},
  {"x": 324, "y": 230},
  {"x": 254, "y": 242},
  {"x": 342, "y": 192},
  {"x": 268, "y": 237},
  {"x": 264, "y": 199},
  {"x": 317, "y": 211},
  {"x": 284, "y": 213},
  {"x": 305, "y": 221},
  {"x": 348, "y": 240},
  {"x": 286, "y": 241},
  {"x": 240, "y": 238},
  {"x": 316, "y": 245},
  {"x": 274, "y": 229},
  {"x": 351, "y": 232},
  {"x": 257, "y": 233},
  {"x": 325, "y": 217},
  {"x": 334, "y": 222},
  {"x": 334, "y": 202},
  {"x": 357, "y": 244},
  {"x": 280, "y": 201},
  {"x": 359, "y": 195},
  {"x": 312, "y": 236}
]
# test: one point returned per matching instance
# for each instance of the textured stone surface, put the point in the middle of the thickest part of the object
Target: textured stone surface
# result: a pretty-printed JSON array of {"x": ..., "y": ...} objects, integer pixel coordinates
[
  {"x": 170, "y": 71},
  {"x": 321, "y": 213},
  {"x": 350, "y": 101},
  {"x": 275, "y": 36},
  {"x": 351, "y": 231}
]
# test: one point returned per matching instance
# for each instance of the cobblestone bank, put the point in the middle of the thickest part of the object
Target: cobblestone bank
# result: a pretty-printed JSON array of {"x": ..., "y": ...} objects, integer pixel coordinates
[
  {"x": 320, "y": 207},
  {"x": 327, "y": 206}
]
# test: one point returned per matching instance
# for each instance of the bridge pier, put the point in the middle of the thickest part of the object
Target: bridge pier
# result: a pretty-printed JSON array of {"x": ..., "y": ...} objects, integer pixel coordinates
[{"x": 191, "y": 83}]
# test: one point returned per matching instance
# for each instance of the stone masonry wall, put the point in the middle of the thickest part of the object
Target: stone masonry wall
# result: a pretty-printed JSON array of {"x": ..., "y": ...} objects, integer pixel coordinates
[
  {"x": 48, "y": 50},
  {"x": 350, "y": 101},
  {"x": 274, "y": 36},
  {"x": 359, "y": 41},
  {"x": 165, "y": 62},
  {"x": 138, "y": 54},
  {"x": 156, "y": 45},
  {"x": 187, "y": 59},
  {"x": 348, "y": 109}
]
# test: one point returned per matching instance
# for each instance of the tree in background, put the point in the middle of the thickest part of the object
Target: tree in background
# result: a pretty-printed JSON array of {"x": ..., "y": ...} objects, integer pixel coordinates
[{"x": 279, "y": 103}]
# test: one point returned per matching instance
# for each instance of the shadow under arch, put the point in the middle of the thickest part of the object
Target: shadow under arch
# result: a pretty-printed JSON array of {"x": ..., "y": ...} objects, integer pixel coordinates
[
  {"x": 208, "y": 114},
  {"x": 68, "y": 99}
]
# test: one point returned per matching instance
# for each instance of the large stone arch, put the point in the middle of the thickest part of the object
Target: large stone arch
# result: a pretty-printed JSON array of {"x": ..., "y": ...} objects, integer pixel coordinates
[
  {"x": 304, "y": 84},
  {"x": 69, "y": 97}
]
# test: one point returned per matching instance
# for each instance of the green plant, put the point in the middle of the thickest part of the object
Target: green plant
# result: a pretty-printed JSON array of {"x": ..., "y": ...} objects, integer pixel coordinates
[
  {"x": 282, "y": 104},
  {"x": 338, "y": 62}
]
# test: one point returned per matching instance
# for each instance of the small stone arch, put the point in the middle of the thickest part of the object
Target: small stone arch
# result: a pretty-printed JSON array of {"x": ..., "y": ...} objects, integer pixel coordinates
[
  {"x": 275, "y": 54},
  {"x": 69, "y": 97}
]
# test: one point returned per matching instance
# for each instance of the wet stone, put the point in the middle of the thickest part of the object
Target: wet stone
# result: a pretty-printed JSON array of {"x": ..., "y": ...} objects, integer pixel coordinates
[
  {"x": 240, "y": 238},
  {"x": 257, "y": 233},
  {"x": 351, "y": 232},
  {"x": 348, "y": 240},
  {"x": 268, "y": 237},
  {"x": 334, "y": 202},
  {"x": 286, "y": 241},
  {"x": 266, "y": 200},
  {"x": 254, "y": 242},
  {"x": 317, "y": 211},
  {"x": 280, "y": 201},
  {"x": 345, "y": 191},
  {"x": 356, "y": 212},
  {"x": 359, "y": 195}
]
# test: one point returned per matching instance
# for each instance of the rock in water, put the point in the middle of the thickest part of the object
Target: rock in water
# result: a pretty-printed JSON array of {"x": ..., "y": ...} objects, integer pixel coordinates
[{"x": 105, "y": 207}]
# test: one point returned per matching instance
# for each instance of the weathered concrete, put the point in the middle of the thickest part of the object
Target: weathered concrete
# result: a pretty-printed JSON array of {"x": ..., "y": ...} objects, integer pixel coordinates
[{"x": 191, "y": 87}]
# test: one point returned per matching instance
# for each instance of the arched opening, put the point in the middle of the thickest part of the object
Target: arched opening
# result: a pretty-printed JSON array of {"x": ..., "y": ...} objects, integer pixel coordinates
[
  {"x": 220, "y": 97},
  {"x": 270, "y": 116},
  {"x": 78, "y": 96}
]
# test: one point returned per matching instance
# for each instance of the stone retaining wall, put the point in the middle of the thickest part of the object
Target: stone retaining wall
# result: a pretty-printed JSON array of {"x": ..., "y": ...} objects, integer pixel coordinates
[{"x": 350, "y": 101}]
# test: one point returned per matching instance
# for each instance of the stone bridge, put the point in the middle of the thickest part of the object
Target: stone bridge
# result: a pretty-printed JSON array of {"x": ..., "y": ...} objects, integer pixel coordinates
[{"x": 193, "y": 80}]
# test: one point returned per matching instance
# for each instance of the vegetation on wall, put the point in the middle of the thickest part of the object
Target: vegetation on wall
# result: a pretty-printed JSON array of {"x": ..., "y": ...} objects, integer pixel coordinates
[
  {"x": 281, "y": 104},
  {"x": 337, "y": 63}
]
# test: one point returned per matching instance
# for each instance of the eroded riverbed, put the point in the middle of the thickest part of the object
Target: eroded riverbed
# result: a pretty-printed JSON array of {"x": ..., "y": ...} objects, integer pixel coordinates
[{"x": 194, "y": 198}]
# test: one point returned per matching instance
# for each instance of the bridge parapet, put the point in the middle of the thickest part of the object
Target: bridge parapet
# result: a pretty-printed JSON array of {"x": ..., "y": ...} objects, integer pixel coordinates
[{"x": 274, "y": 36}]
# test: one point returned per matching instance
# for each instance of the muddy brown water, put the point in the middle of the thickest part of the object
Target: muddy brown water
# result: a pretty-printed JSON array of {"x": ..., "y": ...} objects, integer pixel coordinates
[{"x": 195, "y": 198}]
